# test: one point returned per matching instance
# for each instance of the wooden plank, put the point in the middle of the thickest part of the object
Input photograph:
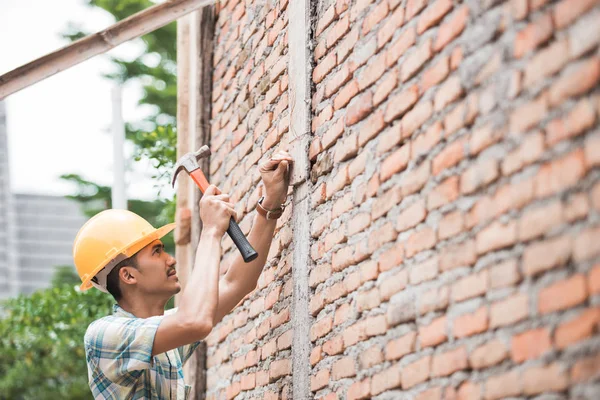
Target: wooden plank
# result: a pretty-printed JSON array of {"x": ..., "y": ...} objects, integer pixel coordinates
[{"x": 132, "y": 27}]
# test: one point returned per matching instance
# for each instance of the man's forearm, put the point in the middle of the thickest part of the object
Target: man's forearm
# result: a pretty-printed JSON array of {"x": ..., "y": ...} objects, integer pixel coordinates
[
  {"x": 261, "y": 237},
  {"x": 201, "y": 295}
]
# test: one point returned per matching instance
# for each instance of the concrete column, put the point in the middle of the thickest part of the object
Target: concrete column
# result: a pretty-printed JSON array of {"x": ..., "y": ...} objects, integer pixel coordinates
[{"x": 299, "y": 72}]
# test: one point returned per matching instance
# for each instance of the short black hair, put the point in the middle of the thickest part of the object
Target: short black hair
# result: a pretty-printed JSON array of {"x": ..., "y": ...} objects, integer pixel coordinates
[{"x": 112, "y": 280}]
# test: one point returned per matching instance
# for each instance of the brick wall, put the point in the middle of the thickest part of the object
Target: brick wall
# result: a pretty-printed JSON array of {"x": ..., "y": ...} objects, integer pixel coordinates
[{"x": 455, "y": 199}]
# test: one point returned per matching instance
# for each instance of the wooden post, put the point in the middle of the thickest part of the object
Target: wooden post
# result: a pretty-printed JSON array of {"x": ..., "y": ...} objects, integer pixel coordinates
[
  {"x": 194, "y": 58},
  {"x": 132, "y": 27}
]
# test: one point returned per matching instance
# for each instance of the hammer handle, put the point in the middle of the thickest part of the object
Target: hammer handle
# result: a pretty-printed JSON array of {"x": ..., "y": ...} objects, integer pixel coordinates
[{"x": 235, "y": 233}]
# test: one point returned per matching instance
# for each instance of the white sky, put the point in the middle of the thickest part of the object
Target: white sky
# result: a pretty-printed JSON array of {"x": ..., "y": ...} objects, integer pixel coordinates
[{"x": 61, "y": 125}]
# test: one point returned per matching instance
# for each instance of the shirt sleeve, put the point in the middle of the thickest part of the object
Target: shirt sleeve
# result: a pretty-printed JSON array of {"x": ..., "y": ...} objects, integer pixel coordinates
[
  {"x": 185, "y": 351},
  {"x": 121, "y": 348}
]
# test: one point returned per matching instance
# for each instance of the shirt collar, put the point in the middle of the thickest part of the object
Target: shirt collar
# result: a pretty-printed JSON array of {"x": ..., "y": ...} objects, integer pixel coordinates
[{"x": 118, "y": 311}]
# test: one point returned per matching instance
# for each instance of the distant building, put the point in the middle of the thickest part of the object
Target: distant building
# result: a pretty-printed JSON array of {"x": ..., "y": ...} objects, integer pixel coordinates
[{"x": 36, "y": 232}]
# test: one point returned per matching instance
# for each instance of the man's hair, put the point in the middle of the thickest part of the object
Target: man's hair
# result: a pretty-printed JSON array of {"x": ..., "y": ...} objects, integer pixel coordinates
[{"x": 112, "y": 280}]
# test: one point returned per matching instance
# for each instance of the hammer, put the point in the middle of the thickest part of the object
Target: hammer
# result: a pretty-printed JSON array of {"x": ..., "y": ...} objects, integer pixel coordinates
[{"x": 189, "y": 163}]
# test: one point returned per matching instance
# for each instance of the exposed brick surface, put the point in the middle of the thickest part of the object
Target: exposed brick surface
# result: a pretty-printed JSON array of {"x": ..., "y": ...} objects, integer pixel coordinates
[{"x": 453, "y": 199}]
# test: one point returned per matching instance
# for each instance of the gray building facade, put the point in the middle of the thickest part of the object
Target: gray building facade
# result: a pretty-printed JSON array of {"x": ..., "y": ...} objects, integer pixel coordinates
[{"x": 36, "y": 231}]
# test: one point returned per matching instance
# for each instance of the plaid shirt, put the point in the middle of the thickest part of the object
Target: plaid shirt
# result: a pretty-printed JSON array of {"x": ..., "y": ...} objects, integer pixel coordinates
[{"x": 120, "y": 364}]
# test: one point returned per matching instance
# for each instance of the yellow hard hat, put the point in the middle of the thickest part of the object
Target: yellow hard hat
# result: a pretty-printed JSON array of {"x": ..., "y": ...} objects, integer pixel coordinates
[{"x": 108, "y": 238}]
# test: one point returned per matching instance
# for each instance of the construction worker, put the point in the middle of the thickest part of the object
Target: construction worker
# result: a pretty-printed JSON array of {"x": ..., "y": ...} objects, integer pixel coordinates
[{"x": 138, "y": 352}]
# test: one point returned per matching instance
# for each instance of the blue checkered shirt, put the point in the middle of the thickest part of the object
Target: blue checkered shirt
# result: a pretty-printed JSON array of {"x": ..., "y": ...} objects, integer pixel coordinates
[{"x": 118, "y": 351}]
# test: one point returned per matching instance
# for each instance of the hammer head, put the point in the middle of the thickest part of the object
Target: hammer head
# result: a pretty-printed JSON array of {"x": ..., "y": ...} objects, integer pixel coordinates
[{"x": 189, "y": 162}]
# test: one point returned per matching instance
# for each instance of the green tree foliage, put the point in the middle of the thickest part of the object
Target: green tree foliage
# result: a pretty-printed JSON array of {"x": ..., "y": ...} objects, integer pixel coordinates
[
  {"x": 41, "y": 343},
  {"x": 155, "y": 136}
]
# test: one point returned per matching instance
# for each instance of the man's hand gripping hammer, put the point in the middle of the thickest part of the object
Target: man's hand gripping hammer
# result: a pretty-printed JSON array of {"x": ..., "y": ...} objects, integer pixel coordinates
[{"x": 189, "y": 163}]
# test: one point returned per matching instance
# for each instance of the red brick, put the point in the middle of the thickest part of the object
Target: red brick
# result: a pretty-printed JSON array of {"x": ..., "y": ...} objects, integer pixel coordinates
[
  {"x": 401, "y": 103},
  {"x": 488, "y": 354},
  {"x": 387, "y": 30},
  {"x": 470, "y": 286},
  {"x": 324, "y": 116},
  {"x": 375, "y": 326},
  {"x": 450, "y": 225},
  {"x": 451, "y": 28},
  {"x": 414, "y": 179},
  {"x": 346, "y": 94},
  {"x": 479, "y": 175},
  {"x": 413, "y": 7},
  {"x": 324, "y": 67},
  {"x": 446, "y": 363},
  {"x": 280, "y": 368},
  {"x": 504, "y": 274},
  {"x": 343, "y": 368},
  {"x": 424, "y": 271},
  {"x": 338, "y": 31},
  {"x": 577, "y": 329},
  {"x": 359, "y": 109},
  {"x": 433, "y": 300},
  {"x": 533, "y": 35},
  {"x": 232, "y": 390},
  {"x": 436, "y": 74},
  {"x": 395, "y": 162},
  {"x": 354, "y": 334},
  {"x": 315, "y": 355},
  {"x": 375, "y": 16},
  {"x": 411, "y": 216},
  {"x": 484, "y": 137},
  {"x": 546, "y": 62},
  {"x": 334, "y": 346},
  {"x": 399, "y": 47},
  {"x": 421, "y": 240},
  {"x": 560, "y": 174},
  {"x": 385, "y": 380},
  {"x": 416, "y": 372},
  {"x": 586, "y": 369},
  {"x": 370, "y": 357},
  {"x": 530, "y": 150},
  {"x": 528, "y": 115},
  {"x": 576, "y": 207},
  {"x": 359, "y": 390},
  {"x": 449, "y": 157},
  {"x": 321, "y": 328},
  {"x": 542, "y": 256},
  {"x": 594, "y": 280},
  {"x": 446, "y": 192},
  {"x": 385, "y": 202},
  {"x": 496, "y": 236},
  {"x": 578, "y": 81},
  {"x": 367, "y": 300},
  {"x": 371, "y": 127},
  {"x": 319, "y": 380},
  {"x": 426, "y": 141},
  {"x": 319, "y": 274},
  {"x": 434, "y": 333},
  {"x": 462, "y": 254},
  {"x": 413, "y": 63},
  {"x": 391, "y": 258},
  {"x": 395, "y": 284},
  {"x": 501, "y": 386},
  {"x": 579, "y": 119},
  {"x": 508, "y": 311},
  {"x": 540, "y": 220},
  {"x": 562, "y": 294},
  {"x": 433, "y": 14},
  {"x": 530, "y": 345},
  {"x": 447, "y": 93},
  {"x": 415, "y": 118},
  {"x": 585, "y": 246},
  {"x": 551, "y": 378},
  {"x": 568, "y": 11},
  {"x": 397, "y": 348},
  {"x": 385, "y": 87}
]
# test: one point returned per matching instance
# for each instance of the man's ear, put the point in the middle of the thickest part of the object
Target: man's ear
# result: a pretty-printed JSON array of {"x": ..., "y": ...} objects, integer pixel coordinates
[{"x": 128, "y": 275}]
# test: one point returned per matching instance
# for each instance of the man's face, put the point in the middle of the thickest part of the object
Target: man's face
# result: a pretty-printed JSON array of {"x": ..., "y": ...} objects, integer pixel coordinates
[{"x": 156, "y": 271}]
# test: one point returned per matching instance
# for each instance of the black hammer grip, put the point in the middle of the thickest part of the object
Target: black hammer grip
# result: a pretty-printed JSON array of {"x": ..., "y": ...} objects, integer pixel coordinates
[{"x": 240, "y": 240}]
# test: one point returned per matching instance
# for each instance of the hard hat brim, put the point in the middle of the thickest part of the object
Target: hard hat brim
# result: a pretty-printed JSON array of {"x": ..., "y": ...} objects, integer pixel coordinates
[{"x": 128, "y": 251}]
